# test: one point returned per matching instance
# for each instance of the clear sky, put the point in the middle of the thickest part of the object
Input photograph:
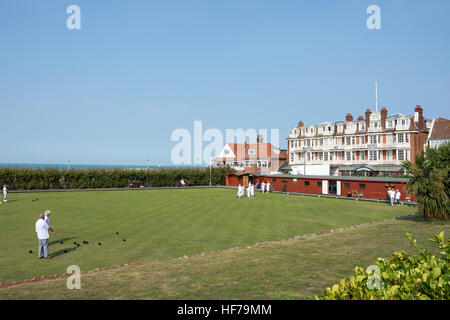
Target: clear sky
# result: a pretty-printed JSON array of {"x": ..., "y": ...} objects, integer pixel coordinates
[{"x": 114, "y": 91}]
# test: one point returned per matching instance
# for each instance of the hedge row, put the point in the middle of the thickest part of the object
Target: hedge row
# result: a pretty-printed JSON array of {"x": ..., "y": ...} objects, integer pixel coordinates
[{"x": 28, "y": 179}]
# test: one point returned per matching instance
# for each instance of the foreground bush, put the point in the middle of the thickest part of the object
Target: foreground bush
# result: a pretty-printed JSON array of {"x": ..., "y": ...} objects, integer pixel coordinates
[
  {"x": 403, "y": 276},
  {"x": 27, "y": 179},
  {"x": 430, "y": 181}
]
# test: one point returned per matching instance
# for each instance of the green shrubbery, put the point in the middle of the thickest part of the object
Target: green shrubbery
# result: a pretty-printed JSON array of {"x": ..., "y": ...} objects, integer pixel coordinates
[
  {"x": 28, "y": 179},
  {"x": 403, "y": 276}
]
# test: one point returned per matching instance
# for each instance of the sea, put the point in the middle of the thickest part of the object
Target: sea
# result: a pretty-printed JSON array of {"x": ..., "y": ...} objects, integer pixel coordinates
[{"x": 85, "y": 166}]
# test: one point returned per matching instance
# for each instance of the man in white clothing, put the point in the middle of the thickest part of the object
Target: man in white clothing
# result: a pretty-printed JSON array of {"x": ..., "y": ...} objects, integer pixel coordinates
[
  {"x": 268, "y": 187},
  {"x": 47, "y": 220},
  {"x": 41, "y": 228},
  {"x": 5, "y": 193},
  {"x": 252, "y": 191},
  {"x": 392, "y": 196},
  {"x": 249, "y": 190},
  {"x": 397, "y": 197},
  {"x": 263, "y": 187}
]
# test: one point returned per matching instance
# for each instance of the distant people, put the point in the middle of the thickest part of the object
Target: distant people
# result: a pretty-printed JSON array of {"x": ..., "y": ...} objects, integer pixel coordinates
[
  {"x": 47, "y": 220},
  {"x": 388, "y": 194},
  {"x": 183, "y": 184},
  {"x": 5, "y": 193},
  {"x": 248, "y": 190},
  {"x": 263, "y": 187},
  {"x": 397, "y": 197},
  {"x": 268, "y": 186},
  {"x": 391, "y": 196},
  {"x": 41, "y": 228},
  {"x": 240, "y": 192},
  {"x": 252, "y": 191}
]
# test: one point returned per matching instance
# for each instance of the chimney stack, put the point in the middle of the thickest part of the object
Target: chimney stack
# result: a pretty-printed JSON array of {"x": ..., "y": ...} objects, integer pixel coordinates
[
  {"x": 368, "y": 113},
  {"x": 418, "y": 117},
  {"x": 384, "y": 114},
  {"x": 349, "y": 117},
  {"x": 259, "y": 139},
  {"x": 360, "y": 118},
  {"x": 300, "y": 124}
]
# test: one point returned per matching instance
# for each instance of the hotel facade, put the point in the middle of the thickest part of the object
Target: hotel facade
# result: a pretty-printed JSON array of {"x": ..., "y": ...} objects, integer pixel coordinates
[{"x": 372, "y": 145}]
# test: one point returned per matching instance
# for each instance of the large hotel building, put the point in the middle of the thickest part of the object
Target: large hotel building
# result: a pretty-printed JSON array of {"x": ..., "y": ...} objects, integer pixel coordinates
[{"x": 371, "y": 145}]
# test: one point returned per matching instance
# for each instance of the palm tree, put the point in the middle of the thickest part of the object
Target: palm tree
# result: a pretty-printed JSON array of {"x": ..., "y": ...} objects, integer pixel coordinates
[{"x": 430, "y": 174}]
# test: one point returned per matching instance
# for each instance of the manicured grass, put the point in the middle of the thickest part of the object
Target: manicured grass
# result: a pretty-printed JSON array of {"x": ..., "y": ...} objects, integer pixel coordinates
[
  {"x": 286, "y": 270},
  {"x": 162, "y": 224}
]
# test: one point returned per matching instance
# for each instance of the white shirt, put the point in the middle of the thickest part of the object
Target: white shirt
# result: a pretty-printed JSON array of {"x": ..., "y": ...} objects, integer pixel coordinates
[
  {"x": 5, "y": 190},
  {"x": 397, "y": 195},
  {"x": 42, "y": 229}
]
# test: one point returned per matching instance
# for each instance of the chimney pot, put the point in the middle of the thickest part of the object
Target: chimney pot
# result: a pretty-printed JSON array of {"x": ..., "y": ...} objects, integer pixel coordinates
[{"x": 300, "y": 124}]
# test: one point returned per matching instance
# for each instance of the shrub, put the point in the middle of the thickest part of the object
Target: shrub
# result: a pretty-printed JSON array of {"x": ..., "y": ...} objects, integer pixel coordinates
[
  {"x": 27, "y": 179},
  {"x": 403, "y": 276}
]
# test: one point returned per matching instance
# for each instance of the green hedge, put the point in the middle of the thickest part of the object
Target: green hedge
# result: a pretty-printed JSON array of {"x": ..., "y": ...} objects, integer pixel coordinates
[
  {"x": 422, "y": 276},
  {"x": 28, "y": 179}
]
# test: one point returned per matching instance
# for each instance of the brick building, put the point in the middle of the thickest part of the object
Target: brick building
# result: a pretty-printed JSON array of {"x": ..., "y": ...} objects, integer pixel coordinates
[
  {"x": 372, "y": 145},
  {"x": 346, "y": 186},
  {"x": 258, "y": 157}
]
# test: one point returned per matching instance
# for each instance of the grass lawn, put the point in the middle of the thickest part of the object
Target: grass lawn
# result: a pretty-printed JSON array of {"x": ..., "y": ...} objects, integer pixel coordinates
[
  {"x": 286, "y": 270},
  {"x": 165, "y": 224}
]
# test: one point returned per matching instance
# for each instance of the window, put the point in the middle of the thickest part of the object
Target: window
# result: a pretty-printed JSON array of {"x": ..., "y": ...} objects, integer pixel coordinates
[
  {"x": 403, "y": 122},
  {"x": 373, "y": 139},
  {"x": 362, "y": 155},
  {"x": 406, "y": 137},
  {"x": 251, "y": 151},
  {"x": 292, "y": 157},
  {"x": 348, "y": 156},
  {"x": 319, "y": 184},
  {"x": 347, "y": 141},
  {"x": 389, "y": 124},
  {"x": 389, "y": 155},
  {"x": 308, "y": 156},
  {"x": 347, "y": 185},
  {"x": 325, "y": 156},
  {"x": 362, "y": 186},
  {"x": 401, "y": 154},
  {"x": 400, "y": 138},
  {"x": 274, "y": 180},
  {"x": 373, "y": 155},
  {"x": 353, "y": 155},
  {"x": 306, "y": 183},
  {"x": 249, "y": 163},
  {"x": 353, "y": 140},
  {"x": 262, "y": 163}
]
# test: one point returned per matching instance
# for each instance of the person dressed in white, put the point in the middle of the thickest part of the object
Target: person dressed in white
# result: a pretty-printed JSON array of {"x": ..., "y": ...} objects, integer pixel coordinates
[
  {"x": 263, "y": 187},
  {"x": 240, "y": 192},
  {"x": 47, "y": 220},
  {"x": 392, "y": 197},
  {"x": 252, "y": 191},
  {"x": 5, "y": 193},
  {"x": 182, "y": 182},
  {"x": 249, "y": 190},
  {"x": 268, "y": 187},
  {"x": 41, "y": 228},
  {"x": 397, "y": 197}
]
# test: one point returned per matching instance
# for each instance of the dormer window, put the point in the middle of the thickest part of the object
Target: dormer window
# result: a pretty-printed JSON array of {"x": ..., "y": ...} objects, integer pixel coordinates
[{"x": 251, "y": 151}]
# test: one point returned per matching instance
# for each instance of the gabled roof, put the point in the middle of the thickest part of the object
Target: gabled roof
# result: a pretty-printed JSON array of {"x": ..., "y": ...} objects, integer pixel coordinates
[
  {"x": 253, "y": 151},
  {"x": 441, "y": 129}
]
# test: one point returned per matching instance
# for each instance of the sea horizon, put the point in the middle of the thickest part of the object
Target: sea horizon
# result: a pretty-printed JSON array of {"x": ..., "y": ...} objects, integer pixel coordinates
[{"x": 24, "y": 165}]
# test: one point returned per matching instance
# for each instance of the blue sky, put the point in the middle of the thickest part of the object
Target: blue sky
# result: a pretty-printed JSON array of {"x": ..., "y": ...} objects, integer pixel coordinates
[{"x": 114, "y": 91}]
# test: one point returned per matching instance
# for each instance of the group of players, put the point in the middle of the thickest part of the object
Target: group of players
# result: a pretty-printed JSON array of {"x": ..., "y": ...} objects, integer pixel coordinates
[{"x": 265, "y": 187}]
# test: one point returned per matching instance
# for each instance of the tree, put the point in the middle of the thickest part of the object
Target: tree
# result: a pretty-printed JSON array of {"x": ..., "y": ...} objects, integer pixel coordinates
[{"x": 430, "y": 181}]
